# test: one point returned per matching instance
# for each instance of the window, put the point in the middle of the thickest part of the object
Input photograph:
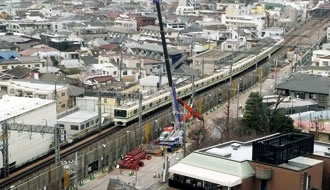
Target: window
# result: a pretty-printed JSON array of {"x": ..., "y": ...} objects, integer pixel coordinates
[
  {"x": 143, "y": 107},
  {"x": 135, "y": 111},
  {"x": 87, "y": 124},
  {"x": 82, "y": 127},
  {"x": 92, "y": 122},
  {"x": 150, "y": 105},
  {"x": 322, "y": 97},
  {"x": 120, "y": 113},
  {"x": 63, "y": 94},
  {"x": 125, "y": 73},
  {"x": 75, "y": 127},
  {"x": 61, "y": 126}
]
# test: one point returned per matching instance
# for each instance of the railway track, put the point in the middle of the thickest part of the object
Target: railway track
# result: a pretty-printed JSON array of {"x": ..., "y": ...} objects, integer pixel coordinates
[
  {"x": 49, "y": 159},
  {"x": 309, "y": 28}
]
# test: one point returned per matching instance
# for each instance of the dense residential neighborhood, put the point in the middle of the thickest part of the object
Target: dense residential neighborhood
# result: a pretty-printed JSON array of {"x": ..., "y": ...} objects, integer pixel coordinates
[{"x": 165, "y": 94}]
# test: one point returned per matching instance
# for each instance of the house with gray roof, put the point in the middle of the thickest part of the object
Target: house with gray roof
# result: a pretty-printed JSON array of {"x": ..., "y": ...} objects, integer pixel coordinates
[{"x": 306, "y": 86}]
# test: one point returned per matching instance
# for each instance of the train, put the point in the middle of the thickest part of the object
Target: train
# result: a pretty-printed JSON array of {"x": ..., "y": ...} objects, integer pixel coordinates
[{"x": 128, "y": 113}]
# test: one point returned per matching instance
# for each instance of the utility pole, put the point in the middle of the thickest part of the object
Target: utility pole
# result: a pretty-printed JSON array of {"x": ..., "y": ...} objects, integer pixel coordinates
[
  {"x": 57, "y": 140},
  {"x": 275, "y": 72},
  {"x": 120, "y": 64},
  {"x": 99, "y": 110},
  {"x": 5, "y": 149},
  {"x": 237, "y": 116},
  {"x": 76, "y": 170},
  {"x": 140, "y": 116},
  {"x": 160, "y": 79}
]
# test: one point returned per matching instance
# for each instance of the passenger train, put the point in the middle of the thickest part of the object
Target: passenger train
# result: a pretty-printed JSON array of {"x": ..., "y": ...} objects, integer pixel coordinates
[{"x": 126, "y": 114}]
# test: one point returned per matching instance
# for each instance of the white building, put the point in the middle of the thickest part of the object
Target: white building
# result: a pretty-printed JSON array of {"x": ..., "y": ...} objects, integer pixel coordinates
[
  {"x": 125, "y": 21},
  {"x": 328, "y": 34},
  {"x": 248, "y": 20},
  {"x": 274, "y": 33},
  {"x": 24, "y": 146},
  {"x": 152, "y": 83},
  {"x": 186, "y": 11},
  {"x": 319, "y": 56},
  {"x": 78, "y": 123}
]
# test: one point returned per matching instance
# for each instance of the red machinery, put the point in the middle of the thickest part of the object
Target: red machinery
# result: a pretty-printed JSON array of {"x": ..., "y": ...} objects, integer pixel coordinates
[
  {"x": 133, "y": 159},
  {"x": 192, "y": 112}
]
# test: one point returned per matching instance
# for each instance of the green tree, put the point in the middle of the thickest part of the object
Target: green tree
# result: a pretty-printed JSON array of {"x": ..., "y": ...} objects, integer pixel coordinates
[
  {"x": 254, "y": 117},
  {"x": 260, "y": 120},
  {"x": 280, "y": 123}
]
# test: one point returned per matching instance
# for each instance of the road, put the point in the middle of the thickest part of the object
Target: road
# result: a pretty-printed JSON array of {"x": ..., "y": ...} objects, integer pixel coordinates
[{"x": 145, "y": 179}]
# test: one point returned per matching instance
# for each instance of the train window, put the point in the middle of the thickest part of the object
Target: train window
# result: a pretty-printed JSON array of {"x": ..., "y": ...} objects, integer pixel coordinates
[
  {"x": 87, "y": 124},
  {"x": 135, "y": 111},
  {"x": 217, "y": 77},
  {"x": 166, "y": 98},
  {"x": 82, "y": 127},
  {"x": 150, "y": 105},
  {"x": 75, "y": 127},
  {"x": 143, "y": 107},
  {"x": 179, "y": 93},
  {"x": 202, "y": 83},
  {"x": 120, "y": 113},
  {"x": 221, "y": 76}
]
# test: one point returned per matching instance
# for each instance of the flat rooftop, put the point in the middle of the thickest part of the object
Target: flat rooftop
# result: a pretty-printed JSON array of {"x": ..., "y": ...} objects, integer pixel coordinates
[
  {"x": 244, "y": 151},
  {"x": 34, "y": 85},
  {"x": 78, "y": 117},
  {"x": 12, "y": 106}
]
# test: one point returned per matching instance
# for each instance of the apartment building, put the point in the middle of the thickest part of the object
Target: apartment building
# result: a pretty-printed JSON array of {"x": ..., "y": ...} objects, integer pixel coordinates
[{"x": 37, "y": 89}]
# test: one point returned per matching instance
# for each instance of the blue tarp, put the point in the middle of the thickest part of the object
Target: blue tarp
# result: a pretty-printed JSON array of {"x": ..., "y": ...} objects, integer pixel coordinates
[{"x": 6, "y": 55}]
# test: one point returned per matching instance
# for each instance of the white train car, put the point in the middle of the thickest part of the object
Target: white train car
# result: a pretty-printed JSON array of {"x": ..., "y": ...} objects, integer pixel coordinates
[{"x": 127, "y": 114}]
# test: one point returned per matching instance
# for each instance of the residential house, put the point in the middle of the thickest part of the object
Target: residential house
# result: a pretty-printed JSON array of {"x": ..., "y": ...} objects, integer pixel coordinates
[
  {"x": 21, "y": 72},
  {"x": 8, "y": 50},
  {"x": 26, "y": 61},
  {"x": 306, "y": 86}
]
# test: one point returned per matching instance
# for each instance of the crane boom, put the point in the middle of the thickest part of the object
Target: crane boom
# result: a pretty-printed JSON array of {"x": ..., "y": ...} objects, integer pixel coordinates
[{"x": 175, "y": 105}]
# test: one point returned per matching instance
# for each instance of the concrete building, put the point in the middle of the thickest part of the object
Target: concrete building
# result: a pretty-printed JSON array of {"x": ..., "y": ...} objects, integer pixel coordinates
[
  {"x": 241, "y": 20},
  {"x": 36, "y": 89},
  {"x": 125, "y": 21},
  {"x": 274, "y": 33},
  {"x": 280, "y": 161},
  {"x": 25, "y": 146},
  {"x": 152, "y": 83},
  {"x": 152, "y": 34},
  {"x": 91, "y": 32}
]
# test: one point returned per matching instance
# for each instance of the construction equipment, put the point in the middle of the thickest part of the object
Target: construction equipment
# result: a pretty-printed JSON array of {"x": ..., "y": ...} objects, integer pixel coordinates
[
  {"x": 172, "y": 139},
  {"x": 133, "y": 159}
]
